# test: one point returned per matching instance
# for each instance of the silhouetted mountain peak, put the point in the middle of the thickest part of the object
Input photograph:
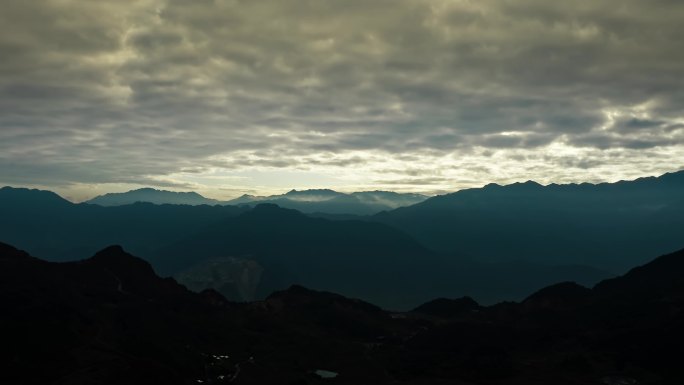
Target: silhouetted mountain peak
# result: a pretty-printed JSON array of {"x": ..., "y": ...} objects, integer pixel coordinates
[
  {"x": 333, "y": 202},
  {"x": 559, "y": 295},
  {"x": 297, "y": 294},
  {"x": 271, "y": 211},
  {"x": 116, "y": 258},
  {"x": 294, "y": 290},
  {"x": 676, "y": 177},
  {"x": 664, "y": 274},
  {"x": 608, "y": 225},
  {"x": 530, "y": 184},
  {"x": 151, "y": 195},
  {"x": 12, "y": 196},
  {"x": 214, "y": 298},
  {"x": 313, "y": 195},
  {"x": 300, "y": 297},
  {"x": 243, "y": 199},
  {"x": 492, "y": 186},
  {"x": 111, "y": 250},
  {"x": 10, "y": 252},
  {"x": 157, "y": 191},
  {"x": 313, "y": 192},
  {"x": 447, "y": 308},
  {"x": 267, "y": 207}
]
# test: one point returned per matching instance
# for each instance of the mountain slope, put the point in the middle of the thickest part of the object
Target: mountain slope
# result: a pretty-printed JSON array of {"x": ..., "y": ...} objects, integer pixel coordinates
[
  {"x": 53, "y": 228},
  {"x": 110, "y": 320},
  {"x": 95, "y": 321},
  {"x": 362, "y": 259},
  {"x": 333, "y": 202},
  {"x": 150, "y": 195},
  {"x": 308, "y": 201},
  {"x": 21, "y": 198},
  {"x": 655, "y": 280},
  {"x": 354, "y": 257},
  {"x": 609, "y": 225},
  {"x": 267, "y": 248}
]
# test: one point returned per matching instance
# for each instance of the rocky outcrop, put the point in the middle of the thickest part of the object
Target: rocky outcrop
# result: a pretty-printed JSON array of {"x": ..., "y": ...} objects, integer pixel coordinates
[{"x": 235, "y": 278}]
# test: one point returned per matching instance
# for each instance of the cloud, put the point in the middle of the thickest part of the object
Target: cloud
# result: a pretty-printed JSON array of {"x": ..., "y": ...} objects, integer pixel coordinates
[{"x": 139, "y": 91}]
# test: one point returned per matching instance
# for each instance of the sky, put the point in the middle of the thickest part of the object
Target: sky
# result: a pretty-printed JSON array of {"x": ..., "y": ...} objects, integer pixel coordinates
[{"x": 227, "y": 97}]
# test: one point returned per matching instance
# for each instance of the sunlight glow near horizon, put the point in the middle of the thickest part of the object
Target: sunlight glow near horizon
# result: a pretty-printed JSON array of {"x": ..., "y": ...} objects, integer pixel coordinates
[{"x": 426, "y": 96}]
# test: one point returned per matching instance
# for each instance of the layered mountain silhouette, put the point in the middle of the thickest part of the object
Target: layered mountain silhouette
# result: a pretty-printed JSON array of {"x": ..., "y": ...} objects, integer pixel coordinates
[
  {"x": 332, "y": 202},
  {"x": 51, "y": 227},
  {"x": 492, "y": 244},
  {"x": 151, "y": 195},
  {"x": 109, "y": 319},
  {"x": 246, "y": 253},
  {"x": 609, "y": 225},
  {"x": 293, "y": 248},
  {"x": 448, "y": 308},
  {"x": 362, "y": 259},
  {"x": 323, "y": 201}
]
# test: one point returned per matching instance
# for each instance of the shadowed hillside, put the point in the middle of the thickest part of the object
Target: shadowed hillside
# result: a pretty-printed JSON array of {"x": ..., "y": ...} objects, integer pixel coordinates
[
  {"x": 323, "y": 201},
  {"x": 356, "y": 258},
  {"x": 336, "y": 203},
  {"x": 246, "y": 253},
  {"x": 609, "y": 225},
  {"x": 150, "y": 195},
  {"x": 51, "y": 227},
  {"x": 110, "y": 320}
]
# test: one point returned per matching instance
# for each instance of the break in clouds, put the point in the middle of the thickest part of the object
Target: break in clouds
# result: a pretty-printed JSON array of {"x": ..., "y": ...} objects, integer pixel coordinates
[{"x": 409, "y": 95}]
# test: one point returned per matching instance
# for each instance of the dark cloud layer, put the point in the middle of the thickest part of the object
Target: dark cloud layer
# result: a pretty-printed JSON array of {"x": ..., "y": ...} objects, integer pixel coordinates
[{"x": 183, "y": 93}]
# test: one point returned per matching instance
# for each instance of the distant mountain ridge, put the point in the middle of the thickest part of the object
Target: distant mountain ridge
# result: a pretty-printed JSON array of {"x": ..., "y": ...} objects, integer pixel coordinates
[
  {"x": 308, "y": 201},
  {"x": 333, "y": 202},
  {"x": 388, "y": 267},
  {"x": 151, "y": 195},
  {"x": 246, "y": 252},
  {"x": 491, "y": 243},
  {"x": 608, "y": 225},
  {"x": 50, "y": 227},
  {"x": 293, "y": 248},
  {"x": 24, "y": 197}
]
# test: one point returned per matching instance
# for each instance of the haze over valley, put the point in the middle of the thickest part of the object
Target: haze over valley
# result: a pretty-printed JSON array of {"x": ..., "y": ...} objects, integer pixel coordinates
[{"x": 493, "y": 243}]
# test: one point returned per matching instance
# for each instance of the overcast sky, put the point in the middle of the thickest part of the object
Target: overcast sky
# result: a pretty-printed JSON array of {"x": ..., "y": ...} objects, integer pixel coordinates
[{"x": 259, "y": 96}]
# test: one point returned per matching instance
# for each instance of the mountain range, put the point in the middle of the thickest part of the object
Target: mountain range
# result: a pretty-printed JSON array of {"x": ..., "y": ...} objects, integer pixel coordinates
[
  {"x": 246, "y": 253},
  {"x": 609, "y": 225},
  {"x": 308, "y": 201},
  {"x": 493, "y": 243},
  {"x": 151, "y": 195},
  {"x": 363, "y": 259},
  {"x": 50, "y": 227},
  {"x": 109, "y": 319}
]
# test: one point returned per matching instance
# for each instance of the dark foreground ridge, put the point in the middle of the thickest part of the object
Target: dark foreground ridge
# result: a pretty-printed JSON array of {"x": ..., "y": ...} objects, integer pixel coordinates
[{"x": 110, "y": 320}]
